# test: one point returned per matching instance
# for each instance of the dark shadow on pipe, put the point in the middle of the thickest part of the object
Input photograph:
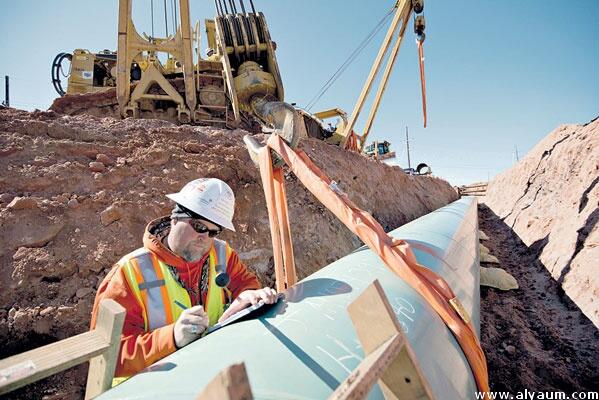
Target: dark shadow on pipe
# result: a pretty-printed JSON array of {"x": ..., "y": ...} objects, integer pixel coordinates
[{"x": 301, "y": 355}]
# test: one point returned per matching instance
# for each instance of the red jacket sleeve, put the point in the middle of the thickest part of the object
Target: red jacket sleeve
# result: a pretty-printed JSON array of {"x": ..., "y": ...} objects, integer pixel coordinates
[
  {"x": 241, "y": 278},
  {"x": 138, "y": 348}
]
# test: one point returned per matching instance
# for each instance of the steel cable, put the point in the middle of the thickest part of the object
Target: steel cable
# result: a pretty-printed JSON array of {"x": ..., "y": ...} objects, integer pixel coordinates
[
  {"x": 152, "y": 16},
  {"x": 165, "y": 19},
  {"x": 352, "y": 57}
]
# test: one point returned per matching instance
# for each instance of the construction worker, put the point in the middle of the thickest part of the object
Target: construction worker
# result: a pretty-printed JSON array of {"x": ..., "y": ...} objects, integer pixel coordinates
[{"x": 182, "y": 279}]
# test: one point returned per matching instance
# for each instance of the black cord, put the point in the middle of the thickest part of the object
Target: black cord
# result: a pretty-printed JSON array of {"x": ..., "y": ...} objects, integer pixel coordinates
[{"x": 347, "y": 62}]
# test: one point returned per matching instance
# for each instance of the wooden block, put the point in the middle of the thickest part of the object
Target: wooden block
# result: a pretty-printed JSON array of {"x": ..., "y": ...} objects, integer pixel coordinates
[
  {"x": 376, "y": 326},
  {"x": 230, "y": 384},
  {"x": 361, "y": 380},
  {"x": 101, "y": 368}
]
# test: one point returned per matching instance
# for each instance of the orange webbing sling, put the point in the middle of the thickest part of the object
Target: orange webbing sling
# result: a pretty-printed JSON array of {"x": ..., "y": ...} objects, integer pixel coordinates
[
  {"x": 422, "y": 79},
  {"x": 397, "y": 254},
  {"x": 352, "y": 142}
]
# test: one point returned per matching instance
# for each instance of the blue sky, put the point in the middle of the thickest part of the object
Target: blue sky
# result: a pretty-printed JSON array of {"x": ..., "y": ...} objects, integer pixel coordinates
[{"x": 500, "y": 74}]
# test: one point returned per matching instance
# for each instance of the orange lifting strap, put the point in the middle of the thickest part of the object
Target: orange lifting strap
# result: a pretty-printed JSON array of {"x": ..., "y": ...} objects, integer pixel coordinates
[
  {"x": 422, "y": 80},
  {"x": 352, "y": 142},
  {"x": 397, "y": 254}
]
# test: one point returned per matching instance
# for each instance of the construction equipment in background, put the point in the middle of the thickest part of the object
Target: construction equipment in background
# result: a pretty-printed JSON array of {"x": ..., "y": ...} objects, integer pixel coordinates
[
  {"x": 478, "y": 189},
  {"x": 240, "y": 75},
  {"x": 382, "y": 151},
  {"x": 236, "y": 81},
  {"x": 343, "y": 133},
  {"x": 319, "y": 125},
  {"x": 403, "y": 11},
  {"x": 421, "y": 169},
  {"x": 379, "y": 150},
  {"x": 86, "y": 72}
]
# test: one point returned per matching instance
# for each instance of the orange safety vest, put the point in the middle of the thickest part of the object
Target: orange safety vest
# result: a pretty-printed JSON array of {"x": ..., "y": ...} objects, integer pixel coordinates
[{"x": 160, "y": 295}]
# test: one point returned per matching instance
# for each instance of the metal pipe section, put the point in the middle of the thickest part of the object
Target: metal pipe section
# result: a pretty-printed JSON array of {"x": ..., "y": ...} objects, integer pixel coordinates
[{"x": 305, "y": 346}]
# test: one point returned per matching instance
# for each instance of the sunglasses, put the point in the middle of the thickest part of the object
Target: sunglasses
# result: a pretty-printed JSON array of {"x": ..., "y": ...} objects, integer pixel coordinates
[{"x": 199, "y": 227}]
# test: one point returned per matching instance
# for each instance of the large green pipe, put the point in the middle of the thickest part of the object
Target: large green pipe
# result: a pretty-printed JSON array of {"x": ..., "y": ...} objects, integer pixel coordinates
[{"x": 304, "y": 347}]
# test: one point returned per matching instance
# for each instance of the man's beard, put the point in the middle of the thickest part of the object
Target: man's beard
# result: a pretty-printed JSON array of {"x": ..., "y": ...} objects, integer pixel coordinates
[{"x": 191, "y": 256}]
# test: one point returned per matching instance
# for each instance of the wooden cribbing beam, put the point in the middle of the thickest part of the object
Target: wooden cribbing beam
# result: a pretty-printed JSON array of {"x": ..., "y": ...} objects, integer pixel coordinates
[
  {"x": 389, "y": 356},
  {"x": 232, "y": 383},
  {"x": 100, "y": 345}
]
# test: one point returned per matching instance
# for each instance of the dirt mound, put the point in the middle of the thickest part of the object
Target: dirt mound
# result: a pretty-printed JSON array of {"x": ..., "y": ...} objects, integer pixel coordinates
[
  {"x": 551, "y": 200},
  {"x": 77, "y": 192}
]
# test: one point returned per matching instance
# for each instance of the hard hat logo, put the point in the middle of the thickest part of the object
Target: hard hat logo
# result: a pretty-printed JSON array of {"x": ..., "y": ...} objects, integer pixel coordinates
[{"x": 211, "y": 198}]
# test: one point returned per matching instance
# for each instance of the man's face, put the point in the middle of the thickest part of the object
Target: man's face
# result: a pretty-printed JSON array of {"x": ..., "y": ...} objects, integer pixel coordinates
[{"x": 185, "y": 240}]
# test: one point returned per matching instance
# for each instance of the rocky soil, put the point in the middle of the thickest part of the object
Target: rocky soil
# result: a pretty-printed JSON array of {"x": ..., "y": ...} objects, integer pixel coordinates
[
  {"x": 77, "y": 191},
  {"x": 550, "y": 199},
  {"x": 534, "y": 337}
]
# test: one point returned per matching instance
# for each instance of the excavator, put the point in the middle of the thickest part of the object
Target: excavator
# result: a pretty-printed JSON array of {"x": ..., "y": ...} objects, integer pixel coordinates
[{"x": 238, "y": 84}]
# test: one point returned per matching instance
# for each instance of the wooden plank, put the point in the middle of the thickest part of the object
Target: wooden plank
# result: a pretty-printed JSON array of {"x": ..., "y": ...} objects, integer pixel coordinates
[
  {"x": 230, "y": 384},
  {"x": 33, "y": 365},
  {"x": 361, "y": 380},
  {"x": 101, "y": 368},
  {"x": 376, "y": 323},
  {"x": 25, "y": 368}
]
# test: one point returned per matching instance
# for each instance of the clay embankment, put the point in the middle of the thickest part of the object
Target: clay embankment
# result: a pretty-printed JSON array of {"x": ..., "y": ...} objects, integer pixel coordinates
[{"x": 550, "y": 199}]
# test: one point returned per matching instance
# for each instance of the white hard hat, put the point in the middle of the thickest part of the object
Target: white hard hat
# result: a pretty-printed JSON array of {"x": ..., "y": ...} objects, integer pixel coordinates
[{"x": 210, "y": 198}]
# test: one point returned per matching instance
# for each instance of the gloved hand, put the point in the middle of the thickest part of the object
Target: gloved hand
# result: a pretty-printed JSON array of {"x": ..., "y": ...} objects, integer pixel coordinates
[{"x": 190, "y": 325}]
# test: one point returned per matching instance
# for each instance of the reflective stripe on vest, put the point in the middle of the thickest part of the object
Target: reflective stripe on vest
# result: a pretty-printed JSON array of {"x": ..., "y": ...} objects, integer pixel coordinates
[
  {"x": 159, "y": 294},
  {"x": 153, "y": 286}
]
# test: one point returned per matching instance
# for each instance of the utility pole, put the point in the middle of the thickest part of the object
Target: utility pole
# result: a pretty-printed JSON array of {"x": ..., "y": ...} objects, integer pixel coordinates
[
  {"x": 517, "y": 157},
  {"x": 6, "y": 92},
  {"x": 408, "y": 146}
]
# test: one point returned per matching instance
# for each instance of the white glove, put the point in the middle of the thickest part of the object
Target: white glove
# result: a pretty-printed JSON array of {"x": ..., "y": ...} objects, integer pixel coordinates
[{"x": 190, "y": 325}]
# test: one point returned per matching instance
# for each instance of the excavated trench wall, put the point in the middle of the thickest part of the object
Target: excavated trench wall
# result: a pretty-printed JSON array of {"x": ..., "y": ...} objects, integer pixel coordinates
[
  {"x": 551, "y": 200},
  {"x": 78, "y": 191}
]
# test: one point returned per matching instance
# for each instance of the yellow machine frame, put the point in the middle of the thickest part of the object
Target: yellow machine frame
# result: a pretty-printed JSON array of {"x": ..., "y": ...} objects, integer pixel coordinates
[{"x": 131, "y": 44}]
